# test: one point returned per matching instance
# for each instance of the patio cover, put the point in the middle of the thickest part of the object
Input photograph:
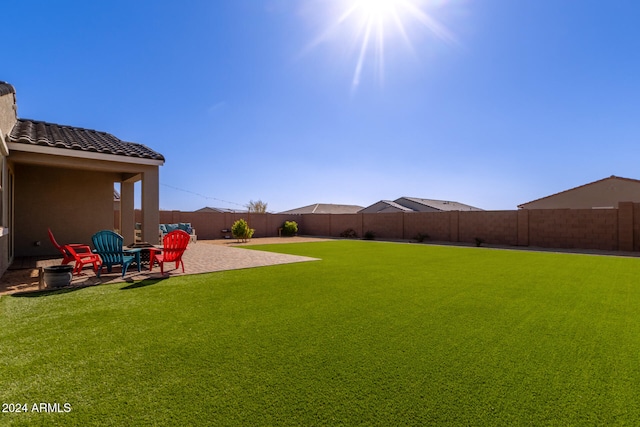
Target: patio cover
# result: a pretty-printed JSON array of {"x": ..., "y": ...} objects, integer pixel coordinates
[{"x": 51, "y": 145}]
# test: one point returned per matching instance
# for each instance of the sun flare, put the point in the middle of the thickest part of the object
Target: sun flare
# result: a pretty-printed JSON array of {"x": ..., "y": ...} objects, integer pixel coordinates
[
  {"x": 374, "y": 22},
  {"x": 376, "y": 8}
]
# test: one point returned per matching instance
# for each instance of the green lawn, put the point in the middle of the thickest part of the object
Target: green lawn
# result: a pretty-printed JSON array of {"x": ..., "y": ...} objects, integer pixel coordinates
[{"x": 374, "y": 334}]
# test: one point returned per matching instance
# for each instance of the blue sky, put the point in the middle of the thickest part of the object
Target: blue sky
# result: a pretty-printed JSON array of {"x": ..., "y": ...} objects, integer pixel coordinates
[{"x": 505, "y": 102}]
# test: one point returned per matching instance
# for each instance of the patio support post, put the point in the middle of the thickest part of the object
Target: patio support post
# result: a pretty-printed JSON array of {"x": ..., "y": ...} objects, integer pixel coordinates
[
  {"x": 151, "y": 205},
  {"x": 127, "y": 212}
]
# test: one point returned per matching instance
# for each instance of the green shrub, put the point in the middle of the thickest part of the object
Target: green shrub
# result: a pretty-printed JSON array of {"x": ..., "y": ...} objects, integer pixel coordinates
[
  {"x": 241, "y": 231},
  {"x": 289, "y": 228},
  {"x": 349, "y": 233}
]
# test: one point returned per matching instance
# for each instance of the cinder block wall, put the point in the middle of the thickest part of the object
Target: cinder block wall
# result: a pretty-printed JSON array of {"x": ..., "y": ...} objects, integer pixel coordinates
[
  {"x": 437, "y": 225},
  {"x": 341, "y": 223},
  {"x": 636, "y": 226},
  {"x": 209, "y": 225},
  {"x": 498, "y": 227},
  {"x": 606, "y": 229},
  {"x": 574, "y": 228},
  {"x": 384, "y": 225}
]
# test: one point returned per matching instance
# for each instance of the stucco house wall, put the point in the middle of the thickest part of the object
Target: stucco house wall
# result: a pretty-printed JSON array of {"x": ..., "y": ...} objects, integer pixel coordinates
[
  {"x": 73, "y": 203},
  {"x": 605, "y": 193},
  {"x": 7, "y": 113},
  {"x": 7, "y": 121}
]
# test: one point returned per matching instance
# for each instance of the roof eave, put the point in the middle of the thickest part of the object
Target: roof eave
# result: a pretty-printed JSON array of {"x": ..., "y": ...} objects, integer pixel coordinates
[{"x": 90, "y": 155}]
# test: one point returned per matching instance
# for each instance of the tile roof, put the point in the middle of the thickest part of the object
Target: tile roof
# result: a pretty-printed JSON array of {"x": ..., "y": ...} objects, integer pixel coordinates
[
  {"x": 6, "y": 88},
  {"x": 73, "y": 138}
]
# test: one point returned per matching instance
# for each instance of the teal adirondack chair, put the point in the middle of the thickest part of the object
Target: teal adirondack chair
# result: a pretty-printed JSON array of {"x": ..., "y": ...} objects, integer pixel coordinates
[{"x": 108, "y": 245}]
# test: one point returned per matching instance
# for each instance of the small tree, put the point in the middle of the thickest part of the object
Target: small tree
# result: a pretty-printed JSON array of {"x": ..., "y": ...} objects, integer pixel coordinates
[
  {"x": 257, "y": 207},
  {"x": 241, "y": 231}
]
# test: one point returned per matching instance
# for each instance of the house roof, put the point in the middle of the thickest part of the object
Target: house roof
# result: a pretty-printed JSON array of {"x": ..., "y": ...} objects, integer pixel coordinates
[
  {"x": 396, "y": 205},
  {"x": 412, "y": 204},
  {"x": 43, "y": 134},
  {"x": 6, "y": 88},
  {"x": 383, "y": 205},
  {"x": 324, "y": 208},
  {"x": 636, "y": 181},
  {"x": 441, "y": 205},
  {"x": 220, "y": 210}
]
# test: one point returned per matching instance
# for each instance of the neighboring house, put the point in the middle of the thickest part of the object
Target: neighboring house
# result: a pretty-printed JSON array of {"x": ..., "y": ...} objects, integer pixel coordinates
[
  {"x": 324, "y": 208},
  {"x": 602, "y": 194},
  {"x": 414, "y": 204},
  {"x": 63, "y": 177},
  {"x": 220, "y": 210},
  {"x": 385, "y": 206}
]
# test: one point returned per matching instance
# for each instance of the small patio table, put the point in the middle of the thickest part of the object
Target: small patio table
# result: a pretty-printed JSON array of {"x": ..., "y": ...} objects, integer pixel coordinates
[
  {"x": 135, "y": 252},
  {"x": 143, "y": 251}
]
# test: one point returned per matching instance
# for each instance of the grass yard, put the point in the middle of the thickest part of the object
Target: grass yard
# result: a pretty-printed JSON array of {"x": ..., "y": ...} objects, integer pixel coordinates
[{"x": 374, "y": 334}]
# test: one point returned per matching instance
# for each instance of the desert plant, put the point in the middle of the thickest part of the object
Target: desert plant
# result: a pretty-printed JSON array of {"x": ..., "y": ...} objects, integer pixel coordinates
[
  {"x": 241, "y": 231},
  {"x": 369, "y": 235},
  {"x": 289, "y": 228},
  {"x": 349, "y": 233},
  {"x": 257, "y": 207}
]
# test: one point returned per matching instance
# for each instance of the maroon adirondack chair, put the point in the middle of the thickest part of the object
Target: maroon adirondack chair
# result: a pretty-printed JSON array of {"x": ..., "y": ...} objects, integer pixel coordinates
[{"x": 175, "y": 243}]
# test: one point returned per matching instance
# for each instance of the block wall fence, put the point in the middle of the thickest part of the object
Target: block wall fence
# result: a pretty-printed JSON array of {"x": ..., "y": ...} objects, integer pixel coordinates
[{"x": 605, "y": 229}]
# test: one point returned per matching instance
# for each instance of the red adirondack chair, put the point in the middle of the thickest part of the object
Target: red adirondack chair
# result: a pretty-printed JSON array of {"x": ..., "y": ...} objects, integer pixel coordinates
[
  {"x": 82, "y": 259},
  {"x": 79, "y": 253},
  {"x": 175, "y": 243}
]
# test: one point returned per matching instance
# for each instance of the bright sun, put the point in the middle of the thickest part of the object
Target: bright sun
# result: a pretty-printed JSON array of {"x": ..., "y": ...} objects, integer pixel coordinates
[
  {"x": 376, "y": 8},
  {"x": 373, "y": 21}
]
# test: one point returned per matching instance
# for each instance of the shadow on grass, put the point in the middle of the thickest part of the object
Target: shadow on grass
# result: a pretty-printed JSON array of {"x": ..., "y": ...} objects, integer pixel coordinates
[
  {"x": 143, "y": 283},
  {"x": 51, "y": 292},
  {"x": 48, "y": 292}
]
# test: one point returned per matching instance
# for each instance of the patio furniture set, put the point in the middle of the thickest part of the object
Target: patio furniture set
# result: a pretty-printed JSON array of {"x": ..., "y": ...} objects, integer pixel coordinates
[
  {"x": 110, "y": 251},
  {"x": 165, "y": 229}
]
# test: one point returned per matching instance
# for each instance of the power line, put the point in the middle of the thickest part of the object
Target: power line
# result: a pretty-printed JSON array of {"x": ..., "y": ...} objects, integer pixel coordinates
[{"x": 202, "y": 195}]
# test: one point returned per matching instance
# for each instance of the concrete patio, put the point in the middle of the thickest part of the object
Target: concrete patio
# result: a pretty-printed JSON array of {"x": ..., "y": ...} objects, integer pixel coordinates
[{"x": 203, "y": 257}]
